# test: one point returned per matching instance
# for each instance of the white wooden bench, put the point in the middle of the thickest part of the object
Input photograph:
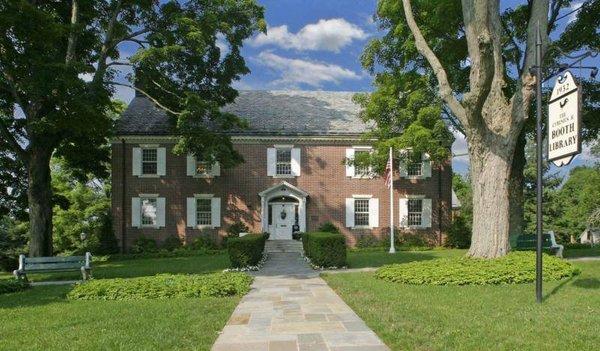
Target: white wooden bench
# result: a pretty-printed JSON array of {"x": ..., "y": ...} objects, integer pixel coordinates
[{"x": 54, "y": 264}]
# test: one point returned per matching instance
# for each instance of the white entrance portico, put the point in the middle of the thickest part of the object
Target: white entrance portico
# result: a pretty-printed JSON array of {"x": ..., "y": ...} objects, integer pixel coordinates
[{"x": 283, "y": 206}]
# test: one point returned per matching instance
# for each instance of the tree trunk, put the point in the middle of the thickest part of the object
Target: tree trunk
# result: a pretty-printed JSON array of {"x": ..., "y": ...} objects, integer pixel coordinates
[
  {"x": 40, "y": 202},
  {"x": 490, "y": 175},
  {"x": 517, "y": 183}
]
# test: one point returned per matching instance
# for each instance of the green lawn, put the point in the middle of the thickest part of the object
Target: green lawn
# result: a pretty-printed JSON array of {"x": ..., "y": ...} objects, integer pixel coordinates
[
  {"x": 478, "y": 317},
  {"x": 379, "y": 257},
  {"x": 42, "y": 319}
]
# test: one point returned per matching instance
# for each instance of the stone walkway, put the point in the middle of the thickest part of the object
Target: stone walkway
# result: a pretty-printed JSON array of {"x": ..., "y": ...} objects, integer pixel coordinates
[{"x": 291, "y": 308}]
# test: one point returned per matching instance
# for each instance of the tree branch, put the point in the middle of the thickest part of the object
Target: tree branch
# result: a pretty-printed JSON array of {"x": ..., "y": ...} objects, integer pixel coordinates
[
  {"x": 119, "y": 63},
  {"x": 72, "y": 41},
  {"x": 106, "y": 45},
  {"x": 148, "y": 96},
  {"x": 513, "y": 41},
  {"x": 5, "y": 131},
  {"x": 446, "y": 91}
]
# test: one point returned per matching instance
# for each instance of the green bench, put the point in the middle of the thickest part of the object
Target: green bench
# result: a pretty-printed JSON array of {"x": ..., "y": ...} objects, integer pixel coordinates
[
  {"x": 54, "y": 264},
  {"x": 527, "y": 242}
]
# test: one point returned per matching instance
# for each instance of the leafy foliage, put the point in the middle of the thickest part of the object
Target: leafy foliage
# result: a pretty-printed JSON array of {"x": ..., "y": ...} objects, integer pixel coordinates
[
  {"x": 325, "y": 249},
  {"x": 144, "y": 244},
  {"x": 204, "y": 243},
  {"x": 236, "y": 228},
  {"x": 12, "y": 285},
  {"x": 246, "y": 250},
  {"x": 171, "y": 243},
  {"x": 13, "y": 242},
  {"x": 163, "y": 286},
  {"x": 329, "y": 228},
  {"x": 514, "y": 268},
  {"x": 459, "y": 234}
]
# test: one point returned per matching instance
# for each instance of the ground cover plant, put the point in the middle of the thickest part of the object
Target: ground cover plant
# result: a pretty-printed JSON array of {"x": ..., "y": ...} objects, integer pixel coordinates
[
  {"x": 163, "y": 286},
  {"x": 514, "y": 268},
  {"x": 54, "y": 322},
  {"x": 478, "y": 317}
]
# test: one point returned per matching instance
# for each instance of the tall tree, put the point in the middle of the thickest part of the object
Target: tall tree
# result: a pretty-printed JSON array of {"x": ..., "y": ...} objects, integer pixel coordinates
[
  {"x": 479, "y": 58},
  {"x": 58, "y": 63}
]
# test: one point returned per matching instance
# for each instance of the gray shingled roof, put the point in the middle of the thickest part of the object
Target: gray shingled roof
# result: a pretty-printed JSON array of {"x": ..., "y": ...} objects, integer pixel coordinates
[{"x": 267, "y": 112}]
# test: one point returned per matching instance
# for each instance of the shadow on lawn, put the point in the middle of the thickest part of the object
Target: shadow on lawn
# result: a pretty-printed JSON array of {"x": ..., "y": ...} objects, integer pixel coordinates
[
  {"x": 587, "y": 283},
  {"x": 36, "y": 296}
]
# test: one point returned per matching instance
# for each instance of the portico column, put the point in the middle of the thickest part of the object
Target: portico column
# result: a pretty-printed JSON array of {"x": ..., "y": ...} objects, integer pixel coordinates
[{"x": 302, "y": 214}]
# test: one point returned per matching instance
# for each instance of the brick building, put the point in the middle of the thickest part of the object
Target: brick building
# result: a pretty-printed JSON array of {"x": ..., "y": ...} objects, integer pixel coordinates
[{"x": 294, "y": 175}]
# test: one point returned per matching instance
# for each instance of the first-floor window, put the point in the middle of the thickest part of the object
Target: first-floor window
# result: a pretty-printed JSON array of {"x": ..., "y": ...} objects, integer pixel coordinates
[
  {"x": 203, "y": 212},
  {"x": 361, "y": 212},
  {"x": 415, "y": 212},
  {"x": 149, "y": 211}
]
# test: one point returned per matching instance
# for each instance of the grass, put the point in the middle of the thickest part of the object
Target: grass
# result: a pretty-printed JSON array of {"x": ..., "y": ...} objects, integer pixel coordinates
[
  {"x": 378, "y": 257},
  {"x": 409, "y": 317},
  {"x": 42, "y": 318},
  {"x": 583, "y": 252}
]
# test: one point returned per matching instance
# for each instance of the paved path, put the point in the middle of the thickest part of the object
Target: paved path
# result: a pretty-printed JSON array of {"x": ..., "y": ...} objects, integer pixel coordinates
[{"x": 291, "y": 308}]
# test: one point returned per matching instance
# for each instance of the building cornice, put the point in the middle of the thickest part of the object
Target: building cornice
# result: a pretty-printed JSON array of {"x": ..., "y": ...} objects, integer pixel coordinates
[{"x": 253, "y": 139}]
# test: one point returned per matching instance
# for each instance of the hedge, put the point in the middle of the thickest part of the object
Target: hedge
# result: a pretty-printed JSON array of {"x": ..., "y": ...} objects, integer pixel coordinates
[
  {"x": 325, "y": 249},
  {"x": 246, "y": 250},
  {"x": 514, "y": 268},
  {"x": 163, "y": 286},
  {"x": 12, "y": 285}
]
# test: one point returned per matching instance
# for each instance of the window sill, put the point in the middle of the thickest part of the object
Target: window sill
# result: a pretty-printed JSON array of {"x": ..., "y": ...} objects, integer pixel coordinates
[
  {"x": 204, "y": 226},
  {"x": 415, "y": 177},
  {"x": 363, "y": 177},
  {"x": 284, "y": 176},
  {"x": 148, "y": 227},
  {"x": 203, "y": 176},
  {"x": 149, "y": 176},
  {"x": 362, "y": 227}
]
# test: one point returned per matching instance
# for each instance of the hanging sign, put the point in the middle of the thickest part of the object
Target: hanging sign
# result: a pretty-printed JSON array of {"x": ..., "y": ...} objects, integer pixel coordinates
[{"x": 564, "y": 124}]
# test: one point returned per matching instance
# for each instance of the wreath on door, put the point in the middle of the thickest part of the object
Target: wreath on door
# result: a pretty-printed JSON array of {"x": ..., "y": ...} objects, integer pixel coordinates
[{"x": 283, "y": 214}]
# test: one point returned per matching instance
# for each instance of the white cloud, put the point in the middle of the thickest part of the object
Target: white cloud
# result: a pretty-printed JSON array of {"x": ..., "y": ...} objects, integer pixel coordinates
[
  {"x": 574, "y": 6},
  {"x": 460, "y": 163},
  {"x": 328, "y": 35},
  {"x": 297, "y": 71}
]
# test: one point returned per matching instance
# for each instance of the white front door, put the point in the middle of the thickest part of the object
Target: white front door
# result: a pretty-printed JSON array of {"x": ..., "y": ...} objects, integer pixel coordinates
[{"x": 283, "y": 221}]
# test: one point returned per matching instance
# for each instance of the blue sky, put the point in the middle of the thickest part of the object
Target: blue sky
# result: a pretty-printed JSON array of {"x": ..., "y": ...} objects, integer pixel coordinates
[{"x": 316, "y": 45}]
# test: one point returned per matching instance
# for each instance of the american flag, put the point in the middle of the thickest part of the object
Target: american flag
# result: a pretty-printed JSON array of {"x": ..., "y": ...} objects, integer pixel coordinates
[{"x": 388, "y": 172}]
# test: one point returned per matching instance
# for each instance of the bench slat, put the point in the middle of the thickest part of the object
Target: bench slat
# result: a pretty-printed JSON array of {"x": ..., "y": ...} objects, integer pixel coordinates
[
  {"x": 52, "y": 266},
  {"x": 55, "y": 259}
]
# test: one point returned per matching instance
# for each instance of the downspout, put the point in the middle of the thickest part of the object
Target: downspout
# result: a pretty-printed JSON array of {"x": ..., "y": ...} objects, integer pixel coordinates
[
  {"x": 440, "y": 168},
  {"x": 123, "y": 191}
]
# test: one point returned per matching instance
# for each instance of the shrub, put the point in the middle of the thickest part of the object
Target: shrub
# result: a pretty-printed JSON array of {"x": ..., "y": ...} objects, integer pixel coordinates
[
  {"x": 163, "y": 286},
  {"x": 367, "y": 241},
  {"x": 328, "y": 227},
  {"x": 325, "y": 249},
  {"x": 203, "y": 243},
  {"x": 247, "y": 250},
  {"x": 108, "y": 243},
  {"x": 13, "y": 242},
  {"x": 171, "y": 243},
  {"x": 514, "y": 268},
  {"x": 235, "y": 229},
  {"x": 459, "y": 234},
  {"x": 144, "y": 245},
  {"x": 412, "y": 241},
  {"x": 12, "y": 285},
  {"x": 577, "y": 246}
]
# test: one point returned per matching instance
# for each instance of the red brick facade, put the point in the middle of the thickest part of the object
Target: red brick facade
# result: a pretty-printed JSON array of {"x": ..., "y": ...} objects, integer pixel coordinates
[{"x": 322, "y": 176}]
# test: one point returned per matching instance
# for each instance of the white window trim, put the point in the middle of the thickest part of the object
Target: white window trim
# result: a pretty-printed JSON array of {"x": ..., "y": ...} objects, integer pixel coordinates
[
  {"x": 415, "y": 226},
  {"x": 203, "y": 197},
  {"x": 148, "y": 147},
  {"x": 370, "y": 174},
  {"x": 284, "y": 147},
  {"x": 205, "y": 175},
  {"x": 362, "y": 197}
]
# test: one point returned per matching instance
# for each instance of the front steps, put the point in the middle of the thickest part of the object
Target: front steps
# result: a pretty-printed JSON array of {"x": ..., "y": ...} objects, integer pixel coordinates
[{"x": 272, "y": 246}]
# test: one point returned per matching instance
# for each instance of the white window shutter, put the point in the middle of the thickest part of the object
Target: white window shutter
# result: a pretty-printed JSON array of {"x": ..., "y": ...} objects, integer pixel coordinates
[
  {"x": 161, "y": 158},
  {"x": 349, "y": 168},
  {"x": 403, "y": 213},
  {"x": 426, "y": 165},
  {"x": 426, "y": 215},
  {"x": 216, "y": 169},
  {"x": 191, "y": 165},
  {"x": 373, "y": 213},
  {"x": 350, "y": 212},
  {"x": 271, "y": 161},
  {"x": 191, "y": 212},
  {"x": 136, "y": 212},
  {"x": 296, "y": 158},
  {"x": 160, "y": 212},
  {"x": 215, "y": 212},
  {"x": 136, "y": 161}
]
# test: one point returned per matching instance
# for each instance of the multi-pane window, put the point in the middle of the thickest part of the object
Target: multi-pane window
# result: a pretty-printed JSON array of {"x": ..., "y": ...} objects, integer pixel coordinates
[
  {"x": 202, "y": 168},
  {"x": 283, "y": 165},
  {"x": 149, "y": 211},
  {"x": 361, "y": 212},
  {"x": 415, "y": 169},
  {"x": 361, "y": 170},
  {"x": 203, "y": 212},
  {"x": 150, "y": 161},
  {"x": 415, "y": 212}
]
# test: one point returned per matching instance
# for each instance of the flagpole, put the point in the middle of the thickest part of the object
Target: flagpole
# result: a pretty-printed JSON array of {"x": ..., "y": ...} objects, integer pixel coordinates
[{"x": 391, "y": 161}]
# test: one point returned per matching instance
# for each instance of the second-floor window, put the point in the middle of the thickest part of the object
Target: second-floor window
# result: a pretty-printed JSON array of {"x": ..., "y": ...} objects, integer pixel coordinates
[
  {"x": 283, "y": 164},
  {"x": 361, "y": 170},
  {"x": 415, "y": 212},
  {"x": 415, "y": 169},
  {"x": 202, "y": 168},
  {"x": 149, "y": 161}
]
